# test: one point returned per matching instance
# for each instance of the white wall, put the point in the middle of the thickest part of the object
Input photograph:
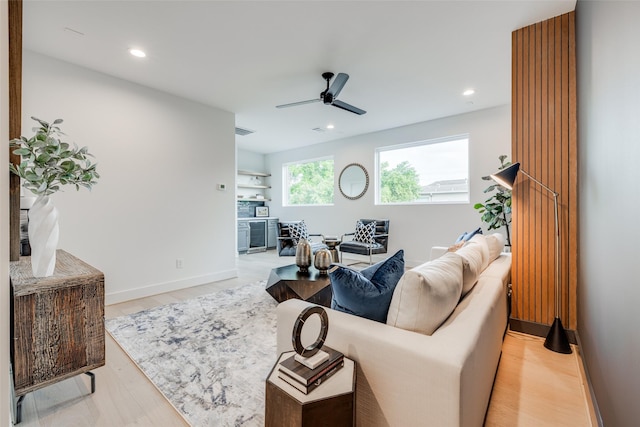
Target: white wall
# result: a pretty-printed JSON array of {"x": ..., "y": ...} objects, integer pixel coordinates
[
  {"x": 4, "y": 218},
  {"x": 160, "y": 158},
  {"x": 609, "y": 138},
  {"x": 412, "y": 228},
  {"x": 250, "y": 161}
]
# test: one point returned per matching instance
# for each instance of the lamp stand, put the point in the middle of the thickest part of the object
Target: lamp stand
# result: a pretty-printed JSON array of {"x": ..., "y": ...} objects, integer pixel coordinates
[{"x": 557, "y": 337}]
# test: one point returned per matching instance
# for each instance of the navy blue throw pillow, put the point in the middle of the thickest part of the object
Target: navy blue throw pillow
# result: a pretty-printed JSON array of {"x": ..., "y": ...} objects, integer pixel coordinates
[
  {"x": 367, "y": 293},
  {"x": 466, "y": 236}
]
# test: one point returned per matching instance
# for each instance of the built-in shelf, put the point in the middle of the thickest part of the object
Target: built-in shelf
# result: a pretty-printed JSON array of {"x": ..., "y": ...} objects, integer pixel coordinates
[
  {"x": 251, "y": 173},
  {"x": 253, "y": 199},
  {"x": 253, "y": 183},
  {"x": 253, "y": 186}
]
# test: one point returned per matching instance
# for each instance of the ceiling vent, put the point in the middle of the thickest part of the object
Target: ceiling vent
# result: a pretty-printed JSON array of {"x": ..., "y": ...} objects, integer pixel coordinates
[
  {"x": 321, "y": 130},
  {"x": 243, "y": 132}
]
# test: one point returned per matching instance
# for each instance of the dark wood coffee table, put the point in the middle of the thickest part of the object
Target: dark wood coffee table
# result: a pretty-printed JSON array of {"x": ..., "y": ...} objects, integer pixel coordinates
[{"x": 287, "y": 282}]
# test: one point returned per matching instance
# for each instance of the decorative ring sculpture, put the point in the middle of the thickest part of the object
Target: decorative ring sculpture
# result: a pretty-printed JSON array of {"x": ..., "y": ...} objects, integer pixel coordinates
[{"x": 297, "y": 331}]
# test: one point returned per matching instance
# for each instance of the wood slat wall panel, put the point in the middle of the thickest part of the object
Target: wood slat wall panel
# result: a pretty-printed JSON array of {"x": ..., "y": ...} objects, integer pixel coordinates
[
  {"x": 544, "y": 141},
  {"x": 15, "y": 120}
]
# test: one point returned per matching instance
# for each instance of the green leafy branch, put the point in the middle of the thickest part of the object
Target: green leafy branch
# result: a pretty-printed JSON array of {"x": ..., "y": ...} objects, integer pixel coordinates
[
  {"x": 48, "y": 163},
  {"x": 496, "y": 210}
]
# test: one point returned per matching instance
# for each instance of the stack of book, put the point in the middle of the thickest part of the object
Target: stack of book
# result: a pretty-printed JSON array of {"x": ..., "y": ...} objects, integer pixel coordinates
[{"x": 306, "y": 379}]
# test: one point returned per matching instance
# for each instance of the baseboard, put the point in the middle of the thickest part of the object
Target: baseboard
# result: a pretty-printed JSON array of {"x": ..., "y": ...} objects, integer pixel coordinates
[
  {"x": 537, "y": 329},
  {"x": 160, "y": 288},
  {"x": 594, "y": 410}
]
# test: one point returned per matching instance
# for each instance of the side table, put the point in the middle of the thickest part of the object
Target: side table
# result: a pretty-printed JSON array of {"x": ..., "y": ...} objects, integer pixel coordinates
[
  {"x": 331, "y": 404},
  {"x": 332, "y": 243},
  {"x": 57, "y": 324}
]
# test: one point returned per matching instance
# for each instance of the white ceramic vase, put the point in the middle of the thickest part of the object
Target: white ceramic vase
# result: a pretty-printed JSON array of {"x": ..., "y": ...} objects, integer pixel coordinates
[{"x": 43, "y": 236}]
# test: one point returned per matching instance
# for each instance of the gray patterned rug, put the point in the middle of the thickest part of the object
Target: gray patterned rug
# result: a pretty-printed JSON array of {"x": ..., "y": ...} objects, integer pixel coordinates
[{"x": 209, "y": 356}]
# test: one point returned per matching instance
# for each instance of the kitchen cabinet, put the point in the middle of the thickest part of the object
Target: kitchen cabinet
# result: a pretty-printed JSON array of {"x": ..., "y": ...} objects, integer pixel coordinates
[
  {"x": 243, "y": 236},
  {"x": 272, "y": 233},
  {"x": 257, "y": 234}
]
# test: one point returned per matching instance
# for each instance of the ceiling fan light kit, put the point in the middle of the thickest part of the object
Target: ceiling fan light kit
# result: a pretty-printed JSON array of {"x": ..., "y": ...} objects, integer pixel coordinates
[{"x": 330, "y": 94}]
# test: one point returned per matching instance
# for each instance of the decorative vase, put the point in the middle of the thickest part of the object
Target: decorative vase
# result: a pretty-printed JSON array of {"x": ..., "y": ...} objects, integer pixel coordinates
[
  {"x": 322, "y": 260},
  {"x": 303, "y": 255},
  {"x": 43, "y": 236}
]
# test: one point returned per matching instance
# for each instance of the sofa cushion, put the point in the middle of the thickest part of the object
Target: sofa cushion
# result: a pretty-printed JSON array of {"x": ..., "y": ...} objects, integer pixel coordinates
[
  {"x": 366, "y": 293},
  {"x": 426, "y": 295},
  {"x": 495, "y": 242},
  {"x": 473, "y": 261},
  {"x": 481, "y": 241}
]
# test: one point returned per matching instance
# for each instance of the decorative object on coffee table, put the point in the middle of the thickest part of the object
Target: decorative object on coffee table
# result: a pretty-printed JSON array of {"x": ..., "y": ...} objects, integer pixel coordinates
[
  {"x": 557, "y": 339},
  {"x": 303, "y": 255},
  {"x": 47, "y": 164},
  {"x": 288, "y": 282},
  {"x": 322, "y": 260}
]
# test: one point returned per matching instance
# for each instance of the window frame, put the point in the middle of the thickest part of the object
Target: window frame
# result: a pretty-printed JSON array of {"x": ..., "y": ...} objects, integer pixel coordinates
[
  {"x": 431, "y": 141},
  {"x": 285, "y": 181}
]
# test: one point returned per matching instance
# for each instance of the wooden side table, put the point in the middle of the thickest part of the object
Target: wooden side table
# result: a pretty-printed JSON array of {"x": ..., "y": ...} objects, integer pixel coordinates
[
  {"x": 57, "y": 324},
  {"x": 331, "y": 404}
]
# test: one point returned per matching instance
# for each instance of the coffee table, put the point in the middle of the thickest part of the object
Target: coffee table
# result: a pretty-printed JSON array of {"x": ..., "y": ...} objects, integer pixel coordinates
[{"x": 287, "y": 282}]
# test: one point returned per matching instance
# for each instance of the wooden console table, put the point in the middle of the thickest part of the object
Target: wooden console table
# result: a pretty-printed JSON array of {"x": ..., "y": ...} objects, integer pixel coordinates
[{"x": 57, "y": 324}]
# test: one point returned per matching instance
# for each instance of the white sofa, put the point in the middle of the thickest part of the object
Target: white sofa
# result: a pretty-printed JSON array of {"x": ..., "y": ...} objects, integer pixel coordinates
[{"x": 407, "y": 378}]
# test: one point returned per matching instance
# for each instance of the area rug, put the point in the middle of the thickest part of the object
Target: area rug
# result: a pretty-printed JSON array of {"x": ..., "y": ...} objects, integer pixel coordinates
[{"x": 209, "y": 355}]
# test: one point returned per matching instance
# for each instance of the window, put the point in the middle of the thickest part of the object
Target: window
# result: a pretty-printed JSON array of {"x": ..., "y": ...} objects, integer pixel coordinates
[
  {"x": 309, "y": 182},
  {"x": 434, "y": 171}
]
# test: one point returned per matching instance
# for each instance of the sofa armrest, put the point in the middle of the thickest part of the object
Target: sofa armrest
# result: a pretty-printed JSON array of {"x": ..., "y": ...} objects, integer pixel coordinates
[{"x": 403, "y": 378}]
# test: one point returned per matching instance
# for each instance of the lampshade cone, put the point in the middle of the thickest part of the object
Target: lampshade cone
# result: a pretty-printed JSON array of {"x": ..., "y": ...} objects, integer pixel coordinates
[{"x": 507, "y": 176}]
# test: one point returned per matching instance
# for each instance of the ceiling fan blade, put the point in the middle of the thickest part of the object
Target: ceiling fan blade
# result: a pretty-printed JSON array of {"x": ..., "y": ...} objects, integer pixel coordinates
[
  {"x": 348, "y": 107},
  {"x": 338, "y": 84},
  {"x": 293, "y": 104}
]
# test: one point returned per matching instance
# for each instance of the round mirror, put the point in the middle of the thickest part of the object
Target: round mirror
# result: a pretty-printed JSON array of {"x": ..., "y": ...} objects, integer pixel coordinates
[{"x": 353, "y": 181}]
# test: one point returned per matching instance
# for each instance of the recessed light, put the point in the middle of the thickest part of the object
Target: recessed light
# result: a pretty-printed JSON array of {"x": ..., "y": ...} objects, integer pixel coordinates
[
  {"x": 137, "y": 53},
  {"x": 468, "y": 92},
  {"x": 330, "y": 126}
]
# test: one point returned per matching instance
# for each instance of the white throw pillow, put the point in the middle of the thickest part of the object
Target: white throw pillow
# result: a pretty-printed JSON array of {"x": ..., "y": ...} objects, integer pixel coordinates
[
  {"x": 495, "y": 242},
  {"x": 426, "y": 295},
  {"x": 473, "y": 263},
  {"x": 481, "y": 241}
]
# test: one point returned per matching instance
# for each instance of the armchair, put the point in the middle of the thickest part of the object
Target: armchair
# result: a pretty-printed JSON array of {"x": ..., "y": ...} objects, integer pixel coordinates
[
  {"x": 288, "y": 234},
  {"x": 367, "y": 239}
]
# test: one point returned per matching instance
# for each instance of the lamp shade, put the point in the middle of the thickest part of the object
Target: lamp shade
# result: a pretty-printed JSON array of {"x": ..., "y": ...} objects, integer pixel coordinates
[{"x": 507, "y": 176}]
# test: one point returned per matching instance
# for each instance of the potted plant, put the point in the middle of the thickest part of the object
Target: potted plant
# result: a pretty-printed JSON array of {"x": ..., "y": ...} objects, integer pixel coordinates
[
  {"x": 496, "y": 210},
  {"x": 47, "y": 164}
]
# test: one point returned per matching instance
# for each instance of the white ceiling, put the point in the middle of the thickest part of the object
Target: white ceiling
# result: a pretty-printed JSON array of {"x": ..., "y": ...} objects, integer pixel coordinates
[{"x": 408, "y": 61}]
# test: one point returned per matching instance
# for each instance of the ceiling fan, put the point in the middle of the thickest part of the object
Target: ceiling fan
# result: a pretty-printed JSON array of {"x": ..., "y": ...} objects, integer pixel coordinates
[{"x": 329, "y": 95}]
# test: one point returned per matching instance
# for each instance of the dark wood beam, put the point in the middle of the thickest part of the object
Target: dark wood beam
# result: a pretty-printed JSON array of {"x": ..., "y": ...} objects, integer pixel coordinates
[{"x": 15, "y": 120}]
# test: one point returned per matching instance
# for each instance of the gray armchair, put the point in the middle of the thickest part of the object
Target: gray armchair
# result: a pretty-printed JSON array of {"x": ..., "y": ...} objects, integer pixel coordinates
[
  {"x": 287, "y": 243},
  {"x": 378, "y": 246}
]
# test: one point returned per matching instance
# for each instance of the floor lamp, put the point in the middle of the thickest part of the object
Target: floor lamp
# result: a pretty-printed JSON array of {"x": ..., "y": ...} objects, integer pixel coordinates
[{"x": 557, "y": 337}]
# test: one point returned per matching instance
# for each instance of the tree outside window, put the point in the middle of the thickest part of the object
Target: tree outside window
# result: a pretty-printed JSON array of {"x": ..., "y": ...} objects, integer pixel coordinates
[
  {"x": 309, "y": 182},
  {"x": 434, "y": 171}
]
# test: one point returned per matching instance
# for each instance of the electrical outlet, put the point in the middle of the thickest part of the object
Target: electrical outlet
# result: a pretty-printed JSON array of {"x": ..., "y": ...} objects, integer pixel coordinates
[
  {"x": 222, "y": 187},
  {"x": 179, "y": 263}
]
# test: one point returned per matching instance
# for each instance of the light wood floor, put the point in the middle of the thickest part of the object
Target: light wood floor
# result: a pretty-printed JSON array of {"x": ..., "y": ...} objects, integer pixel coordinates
[{"x": 533, "y": 387}]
